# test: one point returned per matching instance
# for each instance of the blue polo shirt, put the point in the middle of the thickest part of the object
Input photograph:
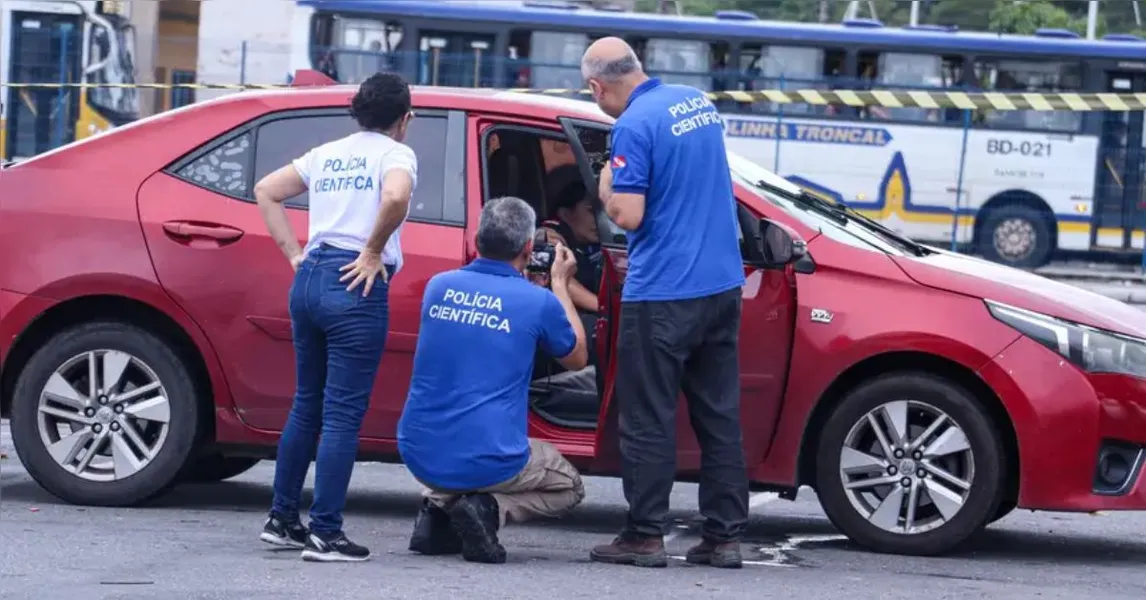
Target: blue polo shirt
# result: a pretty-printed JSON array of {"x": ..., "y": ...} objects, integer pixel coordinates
[
  {"x": 464, "y": 426},
  {"x": 669, "y": 146}
]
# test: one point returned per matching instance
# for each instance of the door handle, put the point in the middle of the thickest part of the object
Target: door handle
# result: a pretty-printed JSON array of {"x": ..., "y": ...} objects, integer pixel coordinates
[{"x": 184, "y": 230}]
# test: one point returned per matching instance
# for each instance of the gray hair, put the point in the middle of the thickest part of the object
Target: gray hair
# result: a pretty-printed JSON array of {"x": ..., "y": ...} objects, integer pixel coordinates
[
  {"x": 506, "y": 226},
  {"x": 610, "y": 70}
]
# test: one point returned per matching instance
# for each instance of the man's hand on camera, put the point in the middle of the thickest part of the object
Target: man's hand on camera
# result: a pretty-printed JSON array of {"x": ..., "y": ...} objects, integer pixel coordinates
[{"x": 564, "y": 265}]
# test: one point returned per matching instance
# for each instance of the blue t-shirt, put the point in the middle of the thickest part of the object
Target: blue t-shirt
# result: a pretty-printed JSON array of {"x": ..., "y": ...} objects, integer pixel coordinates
[
  {"x": 669, "y": 146},
  {"x": 465, "y": 423}
]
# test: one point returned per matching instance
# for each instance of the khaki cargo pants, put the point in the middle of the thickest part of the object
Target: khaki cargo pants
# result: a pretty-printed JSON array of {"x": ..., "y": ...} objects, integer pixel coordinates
[{"x": 549, "y": 486}]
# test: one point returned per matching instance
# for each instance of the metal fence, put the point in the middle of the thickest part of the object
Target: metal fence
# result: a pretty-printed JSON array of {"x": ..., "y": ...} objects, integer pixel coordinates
[{"x": 1014, "y": 179}]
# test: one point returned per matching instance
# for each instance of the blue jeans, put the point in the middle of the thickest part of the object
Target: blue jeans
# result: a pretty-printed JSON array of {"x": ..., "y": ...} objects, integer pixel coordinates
[{"x": 339, "y": 337}]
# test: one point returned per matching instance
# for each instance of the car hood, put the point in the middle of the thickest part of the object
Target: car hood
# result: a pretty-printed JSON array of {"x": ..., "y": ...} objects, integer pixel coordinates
[{"x": 976, "y": 277}]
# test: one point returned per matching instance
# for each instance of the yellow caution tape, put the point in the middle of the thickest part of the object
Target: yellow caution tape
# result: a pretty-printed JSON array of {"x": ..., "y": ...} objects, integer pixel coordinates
[{"x": 854, "y": 98}]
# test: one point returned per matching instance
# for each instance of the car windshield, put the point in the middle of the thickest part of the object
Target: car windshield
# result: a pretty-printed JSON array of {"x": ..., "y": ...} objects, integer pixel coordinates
[{"x": 825, "y": 216}]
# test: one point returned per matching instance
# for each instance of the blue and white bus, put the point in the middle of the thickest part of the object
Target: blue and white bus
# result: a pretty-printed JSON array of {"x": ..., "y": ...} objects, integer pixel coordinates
[{"x": 1033, "y": 182}]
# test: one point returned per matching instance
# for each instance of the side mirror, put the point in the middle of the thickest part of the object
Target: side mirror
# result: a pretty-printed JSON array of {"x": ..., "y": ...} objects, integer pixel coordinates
[{"x": 778, "y": 245}]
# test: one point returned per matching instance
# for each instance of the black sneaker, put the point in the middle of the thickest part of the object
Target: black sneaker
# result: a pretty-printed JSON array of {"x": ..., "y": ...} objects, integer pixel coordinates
[
  {"x": 333, "y": 548},
  {"x": 280, "y": 532},
  {"x": 476, "y": 520},
  {"x": 433, "y": 534}
]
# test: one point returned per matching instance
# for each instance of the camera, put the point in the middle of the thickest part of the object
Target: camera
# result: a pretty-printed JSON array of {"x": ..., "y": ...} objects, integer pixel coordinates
[{"x": 541, "y": 260}]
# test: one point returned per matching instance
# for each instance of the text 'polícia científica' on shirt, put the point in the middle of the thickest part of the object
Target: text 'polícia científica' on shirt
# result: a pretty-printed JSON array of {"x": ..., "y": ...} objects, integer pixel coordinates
[
  {"x": 340, "y": 175},
  {"x": 470, "y": 308},
  {"x": 692, "y": 114}
]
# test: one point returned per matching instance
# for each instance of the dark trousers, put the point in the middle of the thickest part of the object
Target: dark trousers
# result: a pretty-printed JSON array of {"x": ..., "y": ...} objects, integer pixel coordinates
[
  {"x": 339, "y": 337},
  {"x": 664, "y": 348}
]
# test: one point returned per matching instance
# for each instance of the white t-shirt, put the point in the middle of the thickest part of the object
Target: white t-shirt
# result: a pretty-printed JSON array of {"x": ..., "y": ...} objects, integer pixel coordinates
[{"x": 345, "y": 181}]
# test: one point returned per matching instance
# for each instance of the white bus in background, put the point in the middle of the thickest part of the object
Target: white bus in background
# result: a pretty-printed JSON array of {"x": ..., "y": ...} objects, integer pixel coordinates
[
  {"x": 1032, "y": 183},
  {"x": 65, "y": 41}
]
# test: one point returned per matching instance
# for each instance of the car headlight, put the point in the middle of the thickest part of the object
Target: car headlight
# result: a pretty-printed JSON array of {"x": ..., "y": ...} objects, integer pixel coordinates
[{"x": 1092, "y": 350}]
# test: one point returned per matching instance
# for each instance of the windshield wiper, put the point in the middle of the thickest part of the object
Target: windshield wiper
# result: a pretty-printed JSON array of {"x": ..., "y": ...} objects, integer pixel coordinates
[
  {"x": 807, "y": 200},
  {"x": 911, "y": 245},
  {"x": 842, "y": 213}
]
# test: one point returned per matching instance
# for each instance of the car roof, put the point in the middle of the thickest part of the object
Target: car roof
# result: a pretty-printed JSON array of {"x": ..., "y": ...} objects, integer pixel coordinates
[
  {"x": 544, "y": 106},
  {"x": 258, "y": 102}
]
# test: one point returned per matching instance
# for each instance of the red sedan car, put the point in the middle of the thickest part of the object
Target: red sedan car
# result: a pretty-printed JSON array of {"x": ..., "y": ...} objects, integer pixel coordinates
[{"x": 145, "y": 340}]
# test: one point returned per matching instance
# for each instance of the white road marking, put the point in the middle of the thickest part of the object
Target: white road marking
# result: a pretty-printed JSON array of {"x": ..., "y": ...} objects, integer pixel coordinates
[
  {"x": 753, "y": 563},
  {"x": 755, "y": 501},
  {"x": 677, "y": 531},
  {"x": 758, "y": 500},
  {"x": 779, "y": 553}
]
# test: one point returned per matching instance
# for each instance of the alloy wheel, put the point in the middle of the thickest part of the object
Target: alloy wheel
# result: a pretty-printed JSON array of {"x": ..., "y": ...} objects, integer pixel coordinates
[
  {"x": 907, "y": 467},
  {"x": 103, "y": 415}
]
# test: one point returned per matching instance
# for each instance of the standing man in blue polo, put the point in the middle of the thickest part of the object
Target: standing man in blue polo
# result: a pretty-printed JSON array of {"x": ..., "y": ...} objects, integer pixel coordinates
[{"x": 668, "y": 186}]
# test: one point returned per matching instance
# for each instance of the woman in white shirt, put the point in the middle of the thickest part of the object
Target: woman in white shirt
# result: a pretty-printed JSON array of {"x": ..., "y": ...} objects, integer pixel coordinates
[{"x": 360, "y": 188}]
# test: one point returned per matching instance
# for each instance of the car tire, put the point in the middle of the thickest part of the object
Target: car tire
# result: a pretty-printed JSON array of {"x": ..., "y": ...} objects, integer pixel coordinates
[
  {"x": 938, "y": 526},
  {"x": 1005, "y": 508},
  {"x": 214, "y": 468},
  {"x": 140, "y": 456},
  {"x": 1025, "y": 221}
]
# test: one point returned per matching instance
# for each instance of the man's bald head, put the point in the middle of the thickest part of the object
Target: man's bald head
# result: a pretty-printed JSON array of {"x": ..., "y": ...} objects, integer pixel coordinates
[
  {"x": 610, "y": 60},
  {"x": 613, "y": 71}
]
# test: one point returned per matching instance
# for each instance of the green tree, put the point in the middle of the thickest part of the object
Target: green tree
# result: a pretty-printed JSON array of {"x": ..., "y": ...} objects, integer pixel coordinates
[
  {"x": 1027, "y": 17},
  {"x": 968, "y": 15}
]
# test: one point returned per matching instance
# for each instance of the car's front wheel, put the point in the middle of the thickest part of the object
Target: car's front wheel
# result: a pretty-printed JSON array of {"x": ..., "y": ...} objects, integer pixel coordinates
[
  {"x": 910, "y": 464},
  {"x": 105, "y": 414}
]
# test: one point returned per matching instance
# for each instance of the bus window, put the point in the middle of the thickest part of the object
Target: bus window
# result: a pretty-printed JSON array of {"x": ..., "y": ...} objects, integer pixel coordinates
[
  {"x": 455, "y": 59},
  {"x": 789, "y": 68},
  {"x": 687, "y": 62},
  {"x": 1030, "y": 76},
  {"x": 908, "y": 71},
  {"x": 120, "y": 104},
  {"x": 362, "y": 47},
  {"x": 549, "y": 59}
]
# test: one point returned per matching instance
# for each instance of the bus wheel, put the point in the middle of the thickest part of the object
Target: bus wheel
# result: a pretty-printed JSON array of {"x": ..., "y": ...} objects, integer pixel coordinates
[
  {"x": 1016, "y": 236},
  {"x": 909, "y": 463}
]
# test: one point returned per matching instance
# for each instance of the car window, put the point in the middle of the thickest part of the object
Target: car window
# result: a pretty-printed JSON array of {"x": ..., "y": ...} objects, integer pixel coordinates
[
  {"x": 224, "y": 169},
  {"x": 283, "y": 140}
]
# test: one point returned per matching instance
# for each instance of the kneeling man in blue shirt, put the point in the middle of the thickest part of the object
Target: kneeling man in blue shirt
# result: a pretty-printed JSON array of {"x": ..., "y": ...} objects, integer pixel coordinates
[{"x": 464, "y": 430}]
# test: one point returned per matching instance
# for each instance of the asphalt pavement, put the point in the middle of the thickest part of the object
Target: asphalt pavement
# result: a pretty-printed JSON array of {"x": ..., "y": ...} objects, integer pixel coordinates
[{"x": 200, "y": 542}]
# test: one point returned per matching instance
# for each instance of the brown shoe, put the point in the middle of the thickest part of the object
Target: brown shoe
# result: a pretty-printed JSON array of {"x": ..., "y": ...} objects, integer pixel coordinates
[
  {"x": 725, "y": 555},
  {"x": 632, "y": 549}
]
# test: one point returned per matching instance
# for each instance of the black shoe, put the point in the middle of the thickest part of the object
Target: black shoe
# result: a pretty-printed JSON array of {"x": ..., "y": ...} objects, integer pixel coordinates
[
  {"x": 280, "y": 532},
  {"x": 476, "y": 520},
  {"x": 725, "y": 555},
  {"x": 333, "y": 548},
  {"x": 433, "y": 534}
]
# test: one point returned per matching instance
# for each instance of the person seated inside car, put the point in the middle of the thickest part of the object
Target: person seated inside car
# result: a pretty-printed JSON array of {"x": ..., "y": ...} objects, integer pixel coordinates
[
  {"x": 573, "y": 224},
  {"x": 572, "y": 395}
]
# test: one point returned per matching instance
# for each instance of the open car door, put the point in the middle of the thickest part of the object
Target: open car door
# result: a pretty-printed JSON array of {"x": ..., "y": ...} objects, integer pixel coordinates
[{"x": 589, "y": 142}]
